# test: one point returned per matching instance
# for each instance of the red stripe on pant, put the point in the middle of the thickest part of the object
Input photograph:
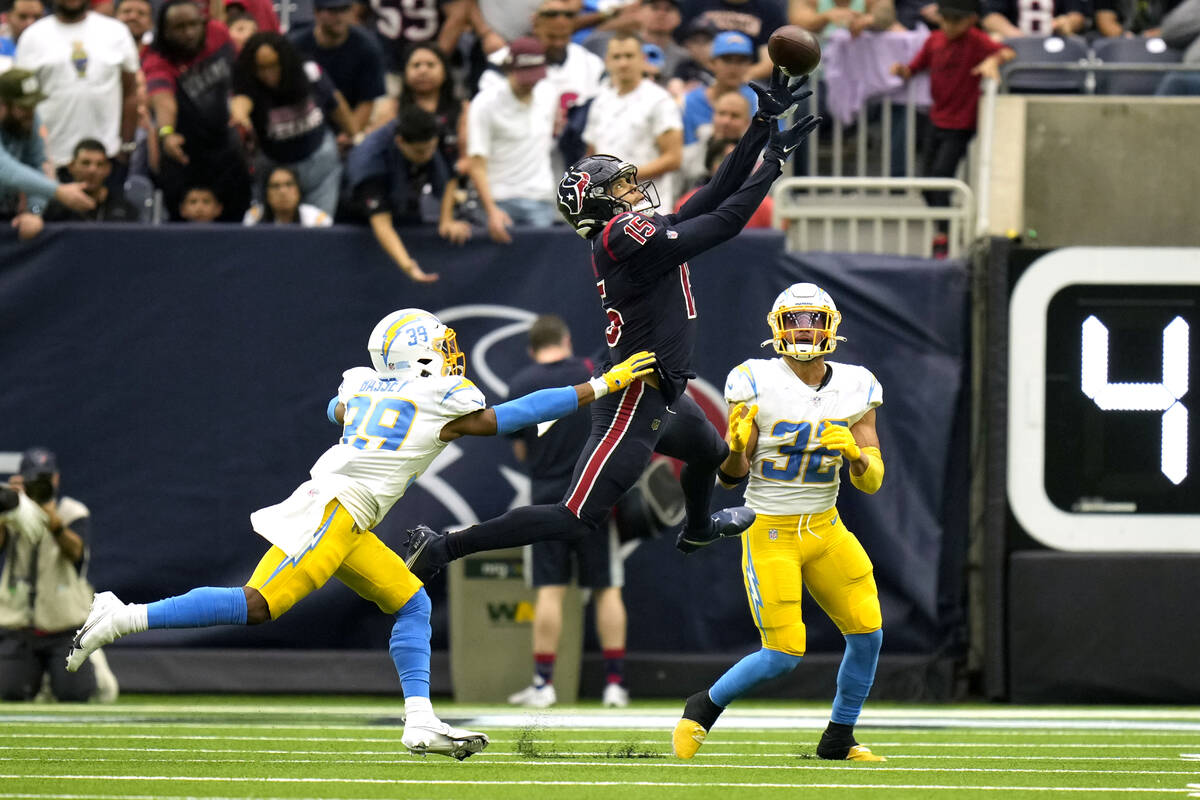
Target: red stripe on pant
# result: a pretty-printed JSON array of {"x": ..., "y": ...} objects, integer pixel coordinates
[{"x": 599, "y": 457}]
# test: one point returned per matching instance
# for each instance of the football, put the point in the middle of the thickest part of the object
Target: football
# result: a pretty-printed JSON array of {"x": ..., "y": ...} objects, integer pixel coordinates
[{"x": 794, "y": 50}]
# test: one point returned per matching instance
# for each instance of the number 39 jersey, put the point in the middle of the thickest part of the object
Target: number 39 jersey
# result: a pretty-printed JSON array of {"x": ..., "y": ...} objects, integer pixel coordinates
[
  {"x": 791, "y": 473},
  {"x": 390, "y": 436}
]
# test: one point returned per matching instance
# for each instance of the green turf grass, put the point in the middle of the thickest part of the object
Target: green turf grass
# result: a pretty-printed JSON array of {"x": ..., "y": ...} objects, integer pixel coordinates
[{"x": 171, "y": 747}]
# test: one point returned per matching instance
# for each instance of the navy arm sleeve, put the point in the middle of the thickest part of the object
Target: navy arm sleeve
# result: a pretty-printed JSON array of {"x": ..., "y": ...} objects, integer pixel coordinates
[{"x": 730, "y": 175}]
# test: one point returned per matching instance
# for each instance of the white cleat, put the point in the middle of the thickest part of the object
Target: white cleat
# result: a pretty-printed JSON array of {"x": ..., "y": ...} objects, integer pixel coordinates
[
  {"x": 99, "y": 629},
  {"x": 615, "y": 696},
  {"x": 534, "y": 696},
  {"x": 426, "y": 734}
]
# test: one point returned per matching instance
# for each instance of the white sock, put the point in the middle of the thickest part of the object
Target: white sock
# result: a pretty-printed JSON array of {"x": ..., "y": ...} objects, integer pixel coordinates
[
  {"x": 417, "y": 705},
  {"x": 134, "y": 620}
]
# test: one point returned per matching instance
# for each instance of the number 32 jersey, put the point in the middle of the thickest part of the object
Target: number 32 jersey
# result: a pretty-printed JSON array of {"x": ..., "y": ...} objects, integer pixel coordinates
[
  {"x": 791, "y": 473},
  {"x": 390, "y": 436}
]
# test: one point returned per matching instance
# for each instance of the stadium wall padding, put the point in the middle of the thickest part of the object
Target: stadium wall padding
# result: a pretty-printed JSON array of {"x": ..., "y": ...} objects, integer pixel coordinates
[{"x": 181, "y": 373}]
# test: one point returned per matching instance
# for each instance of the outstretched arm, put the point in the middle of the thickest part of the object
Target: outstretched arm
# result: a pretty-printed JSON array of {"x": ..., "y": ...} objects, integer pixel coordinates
[{"x": 547, "y": 404}]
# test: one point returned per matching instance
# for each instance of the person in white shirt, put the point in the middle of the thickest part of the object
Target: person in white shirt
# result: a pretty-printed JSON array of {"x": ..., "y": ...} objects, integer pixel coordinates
[
  {"x": 87, "y": 65},
  {"x": 635, "y": 119},
  {"x": 510, "y": 134}
]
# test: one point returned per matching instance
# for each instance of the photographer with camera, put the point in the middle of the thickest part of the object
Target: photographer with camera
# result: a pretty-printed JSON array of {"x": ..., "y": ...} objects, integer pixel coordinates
[{"x": 44, "y": 592}]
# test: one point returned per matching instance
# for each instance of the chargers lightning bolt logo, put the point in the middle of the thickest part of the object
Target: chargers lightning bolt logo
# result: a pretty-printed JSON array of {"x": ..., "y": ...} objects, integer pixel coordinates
[
  {"x": 570, "y": 190},
  {"x": 756, "y": 601}
]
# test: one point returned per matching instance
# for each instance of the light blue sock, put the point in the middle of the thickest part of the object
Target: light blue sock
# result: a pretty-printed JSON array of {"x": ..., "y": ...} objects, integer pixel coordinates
[
  {"x": 199, "y": 608},
  {"x": 855, "y": 675},
  {"x": 750, "y": 672},
  {"x": 410, "y": 645}
]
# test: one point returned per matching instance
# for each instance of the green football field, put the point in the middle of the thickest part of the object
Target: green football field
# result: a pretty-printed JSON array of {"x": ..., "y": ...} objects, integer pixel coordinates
[{"x": 174, "y": 747}]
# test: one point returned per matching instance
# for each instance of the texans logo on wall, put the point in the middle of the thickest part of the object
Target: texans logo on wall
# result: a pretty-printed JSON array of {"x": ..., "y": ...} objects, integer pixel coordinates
[{"x": 570, "y": 190}]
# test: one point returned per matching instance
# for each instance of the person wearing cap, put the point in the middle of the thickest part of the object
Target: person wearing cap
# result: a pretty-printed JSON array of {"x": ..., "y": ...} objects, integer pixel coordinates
[
  {"x": 350, "y": 56},
  {"x": 732, "y": 57},
  {"x": 22, "y": 154},
  {"x": 756, "y": 19},
  {"x": 44, "y": 592},
  {"x": 957, "y": 56},
  {"x": 636, "y": 120},
  {"x": 510, "y": 136},
  {"x": 87, "y": 64}
]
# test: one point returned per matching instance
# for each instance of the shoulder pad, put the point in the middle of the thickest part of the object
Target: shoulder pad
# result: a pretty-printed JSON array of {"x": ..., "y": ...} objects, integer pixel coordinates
[
  {"x": 458, "y": 396},
  {"x": 741, "y": 385},
  {"x": 352, "y": 379}
]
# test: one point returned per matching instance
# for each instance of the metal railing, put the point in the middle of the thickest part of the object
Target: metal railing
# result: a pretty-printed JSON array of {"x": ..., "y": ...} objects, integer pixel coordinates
[
  {"x": 896, "y": 220},
  {"x": 828, "y": 148}
]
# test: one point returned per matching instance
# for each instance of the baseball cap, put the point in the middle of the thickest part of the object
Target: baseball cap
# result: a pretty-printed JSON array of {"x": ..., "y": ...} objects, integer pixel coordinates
[
  {"x": 37, "y": 460},
  {"x": 959, "y": 8},
  {"x": 654, "y": 55},
  {"x": 732, "y": 43},
  {"x": 326, "y": 5},
  {"x": 526, "y": 59},
  {"x": 20, "y": 87}
]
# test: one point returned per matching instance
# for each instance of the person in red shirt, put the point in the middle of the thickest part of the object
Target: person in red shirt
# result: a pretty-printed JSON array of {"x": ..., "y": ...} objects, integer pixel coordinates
[{"x": 957, "y": 57}]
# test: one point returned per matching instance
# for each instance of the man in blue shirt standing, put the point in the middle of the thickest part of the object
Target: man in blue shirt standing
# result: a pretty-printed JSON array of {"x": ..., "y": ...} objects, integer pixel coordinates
[{"x": 732, "y": 57}]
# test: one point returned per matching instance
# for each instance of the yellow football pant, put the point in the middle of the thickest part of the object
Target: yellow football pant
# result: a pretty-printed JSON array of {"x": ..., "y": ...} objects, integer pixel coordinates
[
  {"x": 783, "y": 554},
  {"x": 357, "y": 559}
]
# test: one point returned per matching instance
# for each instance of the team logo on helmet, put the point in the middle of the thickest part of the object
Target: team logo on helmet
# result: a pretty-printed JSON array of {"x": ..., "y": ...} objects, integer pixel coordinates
[{"x": 570, "y": 190}]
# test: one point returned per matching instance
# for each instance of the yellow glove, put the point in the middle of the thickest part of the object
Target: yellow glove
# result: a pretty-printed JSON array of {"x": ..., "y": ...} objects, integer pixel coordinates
[
  {"x": 620, "y": 376},
  {"x": 741, "y": 422},
  {"x": 839, "y": 437}
]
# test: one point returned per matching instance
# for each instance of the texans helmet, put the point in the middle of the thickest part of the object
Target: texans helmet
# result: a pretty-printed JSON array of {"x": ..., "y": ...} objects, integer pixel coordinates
[{"x": 585, "y": 197}]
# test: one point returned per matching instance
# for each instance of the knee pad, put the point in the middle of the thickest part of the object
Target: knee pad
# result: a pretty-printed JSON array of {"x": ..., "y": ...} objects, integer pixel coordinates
[{"x": 865, "y": 615}]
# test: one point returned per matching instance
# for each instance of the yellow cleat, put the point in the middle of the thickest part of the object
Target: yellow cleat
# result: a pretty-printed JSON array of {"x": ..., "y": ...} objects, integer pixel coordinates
[
  {"x": 687, "y": 738},
  {"x": 860, "y": 753}
]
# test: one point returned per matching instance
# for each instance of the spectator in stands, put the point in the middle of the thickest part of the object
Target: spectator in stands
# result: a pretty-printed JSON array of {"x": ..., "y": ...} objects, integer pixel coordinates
[
  {"x": 241, "y": 27},
  {"x": 44, "y": 536},
  {"x": 635, "y": 119},
  {"x": 189, "y": 71},
  {"x": 87, "y": 64},
  {"x": 21, "y": 14},
  {"x": 957, "y": 56},
  {"x": 22, "y": 155},
  {"x": 402, "y": 23},
  {"x": 1181, "y": 30},
  {"x": 282, "y": 204},
  {"x": 732, "y": 55},
  {"x": 389, "y": 174},
  {"x": 506, "y": 19},
  {"x": 286, "y": 102},
  {"x": 262, "y": 11},
  {"x": 200, "y": 204},
  {"x": 696, "y": 70},
  {"x": 823, "y": 16},
  {"x": 348, "y": 54},
  {"x": 756, "y": 19},
  {"x": 715, "y": 151},
  {"x": 1121, "y": 18},
  {"x": 510, "y": 132},
  {"x": 138, "y": 16},
  {"x": 429, "y": 85},
  {"x": 549, "y": 460},
  {"x": 91, "y": 168},
  {"x": 1009, "y": 18},
  {"x": 731, "y": 118}
]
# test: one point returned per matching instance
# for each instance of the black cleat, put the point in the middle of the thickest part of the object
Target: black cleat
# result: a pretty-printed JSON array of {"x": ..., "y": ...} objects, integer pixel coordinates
[
  {"x": 424, "y": 552},
  {"x": 726, "y": 522}
]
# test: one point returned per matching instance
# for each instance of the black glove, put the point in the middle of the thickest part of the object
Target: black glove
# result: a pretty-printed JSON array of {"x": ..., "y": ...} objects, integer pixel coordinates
[
  {"x": 775, "y": 99},
  {"x": 781, "y": 143}
]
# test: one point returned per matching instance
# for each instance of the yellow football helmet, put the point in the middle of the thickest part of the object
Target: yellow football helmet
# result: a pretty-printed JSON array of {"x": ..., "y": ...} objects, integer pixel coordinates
[
  {"x": 804, "y": 322},
  {"x": 412, "y": 343}
]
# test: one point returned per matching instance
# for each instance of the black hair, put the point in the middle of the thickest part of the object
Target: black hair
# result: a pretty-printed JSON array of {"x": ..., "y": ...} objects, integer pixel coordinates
[
  {"x": 415, "y": 124},
  {"x": 446, "y": 97},
  {"x": 169, "y": 50},
  {"x": 268, "y": 213},
  {"x": 91, "y": 145},
  {"x": 547, "y": 330},
  {"x": 293, "y": 80}
]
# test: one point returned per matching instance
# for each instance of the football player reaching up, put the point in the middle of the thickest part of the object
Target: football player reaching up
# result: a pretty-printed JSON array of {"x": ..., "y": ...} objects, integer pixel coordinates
[
  {"x": 793, "y": 422},
  {"x": 639, "y": 258},
  {"x": 395, "y": 419}
]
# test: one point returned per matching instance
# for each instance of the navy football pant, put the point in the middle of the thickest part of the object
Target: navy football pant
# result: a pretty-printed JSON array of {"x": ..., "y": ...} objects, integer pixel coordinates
[{"x": 627, "y": 429}]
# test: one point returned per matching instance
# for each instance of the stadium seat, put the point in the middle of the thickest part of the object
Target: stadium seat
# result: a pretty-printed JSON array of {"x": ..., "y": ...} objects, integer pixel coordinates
[
  {"x": 1042, "y": 49},
  {"x": 139, "y": 191},
  {"x": 1140, "y": 50}
]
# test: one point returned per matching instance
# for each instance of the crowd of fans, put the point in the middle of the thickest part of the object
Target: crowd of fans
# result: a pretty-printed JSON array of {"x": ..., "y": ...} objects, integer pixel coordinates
[{"x": 457, "y": 114}]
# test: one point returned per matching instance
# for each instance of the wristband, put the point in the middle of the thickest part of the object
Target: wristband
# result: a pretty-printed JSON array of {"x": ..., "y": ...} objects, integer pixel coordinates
[
  {"x": 165, "y": 131},
  {"x": 730, "y": 480},
  {"x": 599, "y": 387}
]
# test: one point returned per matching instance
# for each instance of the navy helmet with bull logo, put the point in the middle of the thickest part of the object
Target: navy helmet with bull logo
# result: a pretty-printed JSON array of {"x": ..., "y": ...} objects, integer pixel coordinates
[{"x": 585, "y": 197}]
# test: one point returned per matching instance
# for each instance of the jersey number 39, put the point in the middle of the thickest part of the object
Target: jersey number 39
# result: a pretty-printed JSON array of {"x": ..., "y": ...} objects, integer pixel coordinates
[{"x": 377, "y": 424}]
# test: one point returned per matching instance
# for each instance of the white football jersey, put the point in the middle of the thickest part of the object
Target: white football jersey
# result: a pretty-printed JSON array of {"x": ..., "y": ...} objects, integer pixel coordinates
[
  {"x": 791, "y": 473},
  {"x": 389, "y": 437}
]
